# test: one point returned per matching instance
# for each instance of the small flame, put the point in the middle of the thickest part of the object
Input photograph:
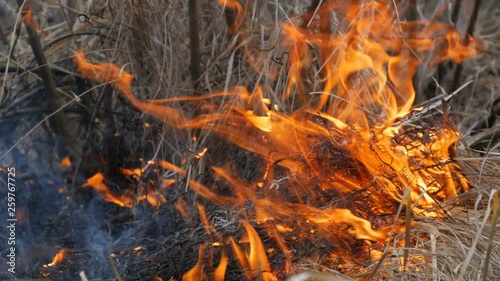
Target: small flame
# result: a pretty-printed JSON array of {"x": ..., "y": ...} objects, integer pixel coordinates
[
  {"x": 97, "y": 182},
  {"x": 254, "y": 263},
  {"x": 167, "y": 183},
  {"x": 200, "y": 154},
  {"x": 66, "y": 162},
  {"x": 234, "y": 5},
  {"x": 220, "y": 271},
  {"x": 122, "y": 80},
  {"x": 197, "y": 272},
  {"x": 30, "y": 20},
  {"x": 147, "y": 190},
  {"x": 59, "y": 257}
]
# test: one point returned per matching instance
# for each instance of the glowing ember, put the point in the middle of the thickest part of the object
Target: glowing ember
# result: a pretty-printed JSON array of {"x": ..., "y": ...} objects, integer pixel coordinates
[
  {"x": 335, "y": 170},
  {"x": 66, "y": 162},
  {"x": 59, "y": 257},
  {"x": 30, "y": 20}
]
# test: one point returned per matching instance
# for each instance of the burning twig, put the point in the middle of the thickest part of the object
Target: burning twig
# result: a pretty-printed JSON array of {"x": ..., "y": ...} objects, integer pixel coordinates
[
  {"x": 57, "y": 121},
  {"x": 115, "y": 269}
]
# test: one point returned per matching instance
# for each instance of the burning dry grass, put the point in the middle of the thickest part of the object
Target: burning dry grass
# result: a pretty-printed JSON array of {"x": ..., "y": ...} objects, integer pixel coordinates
[{"x": 250, "y": 169}]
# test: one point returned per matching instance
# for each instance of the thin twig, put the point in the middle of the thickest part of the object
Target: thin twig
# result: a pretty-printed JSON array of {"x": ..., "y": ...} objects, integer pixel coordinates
[
  {"x": 15, "y": 69},
  {"x": 406, "y": 252},
  {"x": 115, "y": 269},
  {"x": 472, "y": 249},
  {"x": 40, "y": 123},
  {"x": 194, "y": 43},
  {"x": 445, "y": 67},
  {"x": 470, "y": 33},
  {"x": 494, "y": 219},
  {"x": 57, "y": 121}
]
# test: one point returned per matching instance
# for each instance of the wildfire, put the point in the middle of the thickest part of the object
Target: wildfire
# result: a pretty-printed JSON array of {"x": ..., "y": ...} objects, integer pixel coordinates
[{"x": 336, "y": 167}]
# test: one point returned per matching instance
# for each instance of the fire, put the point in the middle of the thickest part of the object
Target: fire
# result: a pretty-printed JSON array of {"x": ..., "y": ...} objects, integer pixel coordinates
[
  {"x": 250, "y": 254},
  {"x": 197, "y": 273},
  {"x": 97, "y": 182},
  {"x": 66, "y": 162},
  {"x": 336, "y": 167},
  {"x": 29, "y": 20},
  {"x": 59, "y": 257},
  {"x": 255, "y": 262},
  {"x": 234, "y": 5},
  {"x": 145, "y": 191},
  {"x": 110, "y": 73}
]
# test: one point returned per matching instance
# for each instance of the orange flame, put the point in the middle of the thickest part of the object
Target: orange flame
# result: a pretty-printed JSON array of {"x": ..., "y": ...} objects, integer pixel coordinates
[
  {"x": 342, "y": 160},
  {"x": 220, "y": 271},
  {"x": 59, "y": 257},
  {"x": 66, "y": 162},
  {"x": 122, "y": 80},
  {"x": 234, "y": 5},
  {"x": 97, "y": 182},
  {"x": 254, "y": 263},
  {"x": 146, "y": 190},
  {"x": 29, "y": 20},
  {"x": 197, "y": 272}
]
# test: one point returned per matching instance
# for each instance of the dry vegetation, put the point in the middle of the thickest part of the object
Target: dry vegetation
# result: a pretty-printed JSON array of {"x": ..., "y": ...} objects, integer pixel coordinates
[{"x": 102, "y": 132}]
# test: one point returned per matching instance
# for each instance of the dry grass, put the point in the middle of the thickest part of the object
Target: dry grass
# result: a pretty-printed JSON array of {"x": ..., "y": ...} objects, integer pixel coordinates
[{"x": 151, "y": 40}]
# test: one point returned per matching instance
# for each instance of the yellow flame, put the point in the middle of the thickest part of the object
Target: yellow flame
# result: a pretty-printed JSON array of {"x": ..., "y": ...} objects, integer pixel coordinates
[{"x": 59, "y": 257}]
